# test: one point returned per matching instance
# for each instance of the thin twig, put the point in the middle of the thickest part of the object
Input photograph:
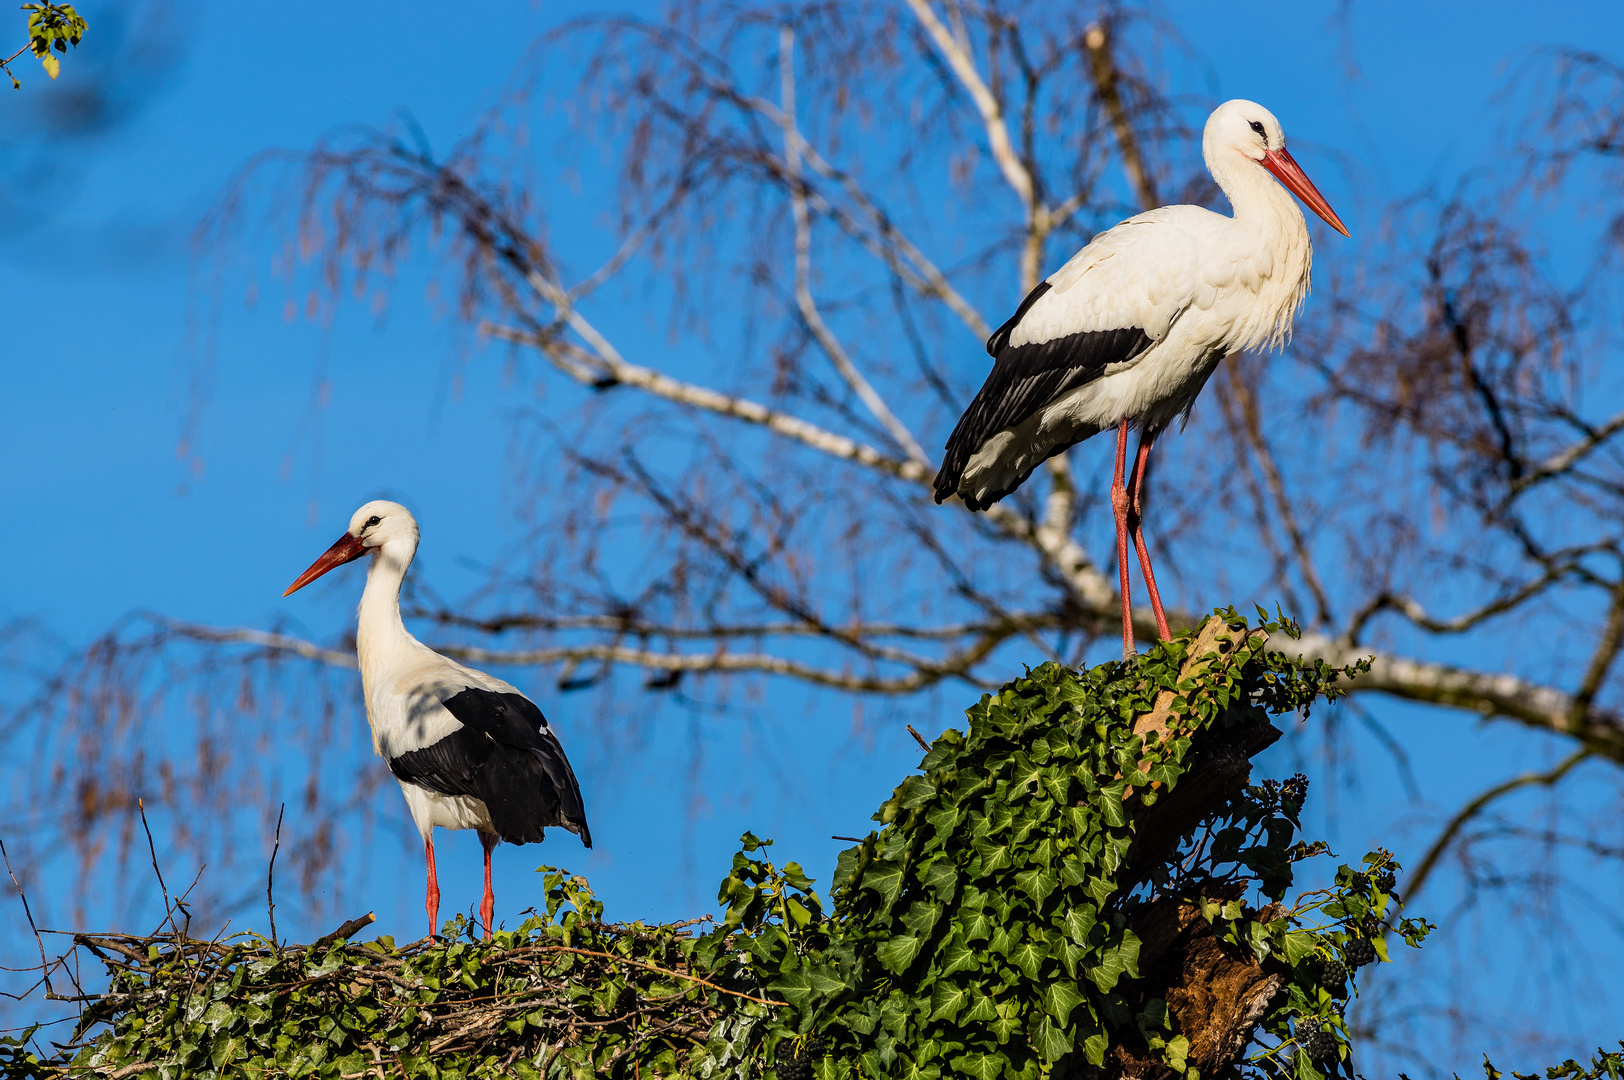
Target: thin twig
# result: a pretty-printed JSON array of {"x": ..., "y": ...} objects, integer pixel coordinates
[
  {"x": 1252, "y": 427},
  {"x": 44, "y": 964},
  {"x": 169, "y": 911},
  {"x": 657, "y": 971},
  {"x": 920, "y": 739},
  {"x": 1418, "y": 880},
  {"x": 270, "y": 879}
]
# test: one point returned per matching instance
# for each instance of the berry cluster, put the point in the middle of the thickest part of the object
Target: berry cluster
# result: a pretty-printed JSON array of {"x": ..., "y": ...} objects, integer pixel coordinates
[
  {"x": 1316, "y": 1042},
  {"x": 1284, "y": 794},
  {"x": 1295, "y": 790},
  {"x": 793, "y": 1065},
  {"x": 1333, "y": 973},
  {"x": 1359, "y": 952}
]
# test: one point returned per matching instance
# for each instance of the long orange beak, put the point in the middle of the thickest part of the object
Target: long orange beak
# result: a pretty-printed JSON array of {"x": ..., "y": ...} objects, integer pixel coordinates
[
  {"x": 1288, "y": 172},
  {"x": 348, "y": 549}
]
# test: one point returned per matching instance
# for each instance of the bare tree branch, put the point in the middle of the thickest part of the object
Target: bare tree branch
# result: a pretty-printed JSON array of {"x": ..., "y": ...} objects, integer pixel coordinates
[
  {"x": 271, "y": 642},
  {"x": 803, "y": 266},
  {"x": 1251, "y": 427},
  {"x": 957, "y": 54},
  {"x": 1559, "y": 463},
  {"x": 1417, "y": 880},
  {"x": 1107, "y": 87},
  {"x": 1489, "y": 693},
  {"x": 608, "y": 369}
]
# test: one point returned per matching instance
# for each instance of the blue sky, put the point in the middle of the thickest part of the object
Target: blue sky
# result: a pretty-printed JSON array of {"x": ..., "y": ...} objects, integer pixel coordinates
[{"x": 305, "y": 421}]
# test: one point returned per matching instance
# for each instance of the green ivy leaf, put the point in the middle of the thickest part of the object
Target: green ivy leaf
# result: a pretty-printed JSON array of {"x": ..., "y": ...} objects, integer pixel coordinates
[
  {"x": 978, "y": 1066},
  {"x": 1060, "y": 997},
  {"x": 1051, "y": 1040},
  {"x": 1037, "y": 883},
  {"x": 947, "y": 1000},
  {"x": 900, "y": 952}
]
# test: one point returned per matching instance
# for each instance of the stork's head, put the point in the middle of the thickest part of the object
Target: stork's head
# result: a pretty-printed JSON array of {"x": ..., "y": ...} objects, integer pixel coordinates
[
  {"x": 1248, "y": 130},
  {"x": 380, "y": 527}
]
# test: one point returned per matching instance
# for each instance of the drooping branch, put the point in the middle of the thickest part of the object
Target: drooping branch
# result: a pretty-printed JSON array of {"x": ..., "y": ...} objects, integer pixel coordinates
[
  {"x": 1417, "y": 880},
  {"x": 803, "y": 268}
]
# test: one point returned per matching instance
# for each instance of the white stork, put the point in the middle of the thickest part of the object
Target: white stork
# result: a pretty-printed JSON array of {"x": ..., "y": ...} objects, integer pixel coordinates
[
  {"x": 1128, "y": 331},
  {"x": 470, "y": 751}
]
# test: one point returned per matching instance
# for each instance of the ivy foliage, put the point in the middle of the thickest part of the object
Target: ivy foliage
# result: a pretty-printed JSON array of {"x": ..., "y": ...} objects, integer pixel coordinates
[
  {"x": 1608, "y": 1064},
  {"x": 986, "y": 928}
]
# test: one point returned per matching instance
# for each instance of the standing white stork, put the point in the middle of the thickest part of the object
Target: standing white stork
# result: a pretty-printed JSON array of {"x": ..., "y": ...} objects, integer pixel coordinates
[
  {"x": 1128, "y": 331},
  {"x": 470, "y": 751}
]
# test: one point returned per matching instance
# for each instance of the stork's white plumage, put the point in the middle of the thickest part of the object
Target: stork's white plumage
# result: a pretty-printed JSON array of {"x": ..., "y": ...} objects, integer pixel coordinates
[
  {"x": 469, "y": 750},
  {"x": 1129, "y": 330}
]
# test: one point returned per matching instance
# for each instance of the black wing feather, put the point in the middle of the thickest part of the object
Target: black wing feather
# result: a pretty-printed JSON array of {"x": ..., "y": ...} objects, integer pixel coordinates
[
  {"x": 1025, "y": 378},
  {"x": 1000, "y": 337},
  {"x": 506, "y": 756}
]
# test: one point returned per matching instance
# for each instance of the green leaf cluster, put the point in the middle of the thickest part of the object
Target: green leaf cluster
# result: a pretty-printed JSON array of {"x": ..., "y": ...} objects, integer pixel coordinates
[
  {"x": 50, "y": 26},
  {"x": 986, "y": 928}
]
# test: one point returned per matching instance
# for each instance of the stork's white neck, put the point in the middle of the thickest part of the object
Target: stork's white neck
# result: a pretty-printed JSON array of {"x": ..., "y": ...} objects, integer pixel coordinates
[
  {"x": 381, "y": 637},
  {"x": 1267, "y": 245},
  {"x": 1258, "y": 200}
]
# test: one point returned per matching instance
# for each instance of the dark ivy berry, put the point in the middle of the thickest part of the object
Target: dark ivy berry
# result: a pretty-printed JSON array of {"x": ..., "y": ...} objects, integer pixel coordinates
[
  {"x": 1333, "y": 972},
  {"x": 1316, "y": 1042},
  {"x": 1386, "y": 881},
  {"x": 1295, "y": 790},
  {"x": 798, "y": 1066},
  {"x": 1320, "y": 1045},
  {"x": 1370, "y": 926},
  {"x": 1359, "y": 952}
]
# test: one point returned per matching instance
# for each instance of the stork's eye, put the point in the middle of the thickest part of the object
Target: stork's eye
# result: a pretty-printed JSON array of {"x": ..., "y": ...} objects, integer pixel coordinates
[
  {"x": 1257, "y": 127},
  {"x": 371, "y": 521}
]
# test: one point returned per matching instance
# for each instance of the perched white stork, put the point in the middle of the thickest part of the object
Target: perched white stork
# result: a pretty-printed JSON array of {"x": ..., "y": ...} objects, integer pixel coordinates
[
  {"x": 1128, "y": 331},
  {"x": 470, "y": 751}
]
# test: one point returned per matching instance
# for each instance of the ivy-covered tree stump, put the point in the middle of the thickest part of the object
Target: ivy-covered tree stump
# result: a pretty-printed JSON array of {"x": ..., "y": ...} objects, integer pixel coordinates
[
  {"x": 1082, "y": 883},
  {"x": 1064, "y": 888}
]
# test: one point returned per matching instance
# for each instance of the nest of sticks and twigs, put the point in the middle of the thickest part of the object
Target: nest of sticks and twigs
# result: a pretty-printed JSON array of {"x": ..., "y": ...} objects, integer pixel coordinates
[{"x": 569, "y": 991}]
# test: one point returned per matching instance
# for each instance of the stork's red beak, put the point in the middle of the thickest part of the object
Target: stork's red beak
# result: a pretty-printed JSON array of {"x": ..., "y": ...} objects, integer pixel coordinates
[
  {"x": 1289, "y": 173},
  {"x": 348, "y": 549}
]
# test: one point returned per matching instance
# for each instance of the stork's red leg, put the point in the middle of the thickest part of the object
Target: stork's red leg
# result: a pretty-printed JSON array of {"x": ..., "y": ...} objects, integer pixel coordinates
[
  {"x": 1119, "y": 506},
  {"x": 1134, "y": 522},
  {"x": 487, "y": 904},
  {"x": 432, "y": 901}
]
